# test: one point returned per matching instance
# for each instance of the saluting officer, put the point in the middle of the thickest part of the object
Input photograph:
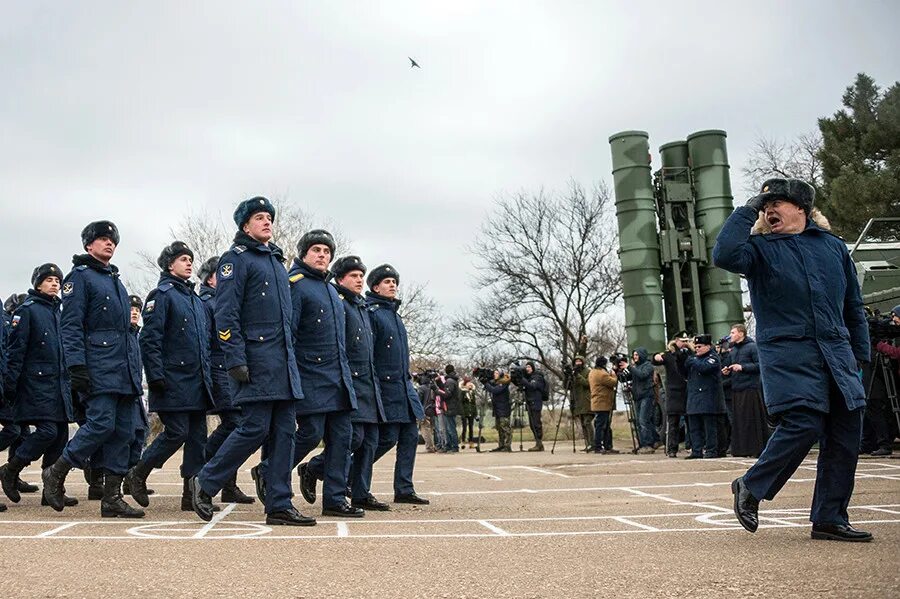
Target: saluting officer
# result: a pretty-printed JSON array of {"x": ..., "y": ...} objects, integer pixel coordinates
[
  {"x": 349, "y": 274},
  {"x": 223, "y": 402},
  {"x": 253, "y": 322},
  {"x": 402, "y": 407},
  {"x": 104, "y": 366},
  {"x": 175, "y": 352},
  {"x": 36, "y": 383}
]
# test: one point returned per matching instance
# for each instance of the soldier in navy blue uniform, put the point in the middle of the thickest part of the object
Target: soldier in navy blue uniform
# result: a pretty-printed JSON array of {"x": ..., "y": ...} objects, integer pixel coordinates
[
  {"x": 705, "y": 399},
  {"x": 253, "y": 322},
  {"x": 36, "y": 384},
  {"x": 104, "y": 367},
  {"x": 812, "y": 339},
  {"x": 349, "y": 274},
  {"x": 175, "y": 351},
  {"x": 402, "y": 407},
  {"x": 223, "y": 403},
  {"x": 328, "y": 395}
]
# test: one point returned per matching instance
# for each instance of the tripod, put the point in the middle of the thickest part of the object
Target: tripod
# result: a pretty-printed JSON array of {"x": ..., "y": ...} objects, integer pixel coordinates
[
  {"x": 569, "y": 393},
  {"x": 480, "y": 407},
  {"x": 890, "y": 384},
  {"x": 632, "y": 418},
  {"x": 518, "y": 418}
]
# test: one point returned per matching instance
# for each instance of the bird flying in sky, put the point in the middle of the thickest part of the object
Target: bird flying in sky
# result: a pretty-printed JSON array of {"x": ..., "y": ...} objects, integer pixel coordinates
[{"x": 413, "y": 63}]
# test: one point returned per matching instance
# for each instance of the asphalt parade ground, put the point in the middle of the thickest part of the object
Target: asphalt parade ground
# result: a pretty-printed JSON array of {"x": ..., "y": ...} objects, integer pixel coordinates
[{"x": 500, "y": 525}]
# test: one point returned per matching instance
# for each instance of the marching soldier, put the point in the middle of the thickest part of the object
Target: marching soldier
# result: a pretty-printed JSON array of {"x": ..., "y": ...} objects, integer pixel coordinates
[
  {"x": 141, "y": 421},
  {"x": 223, "y": 402},
  {"x": 36, "y": 383},
  {"x": 402, "y": 408},
  {"x": 253, "y": 322},
  {"x": 175, "y": 351},
  {"x": 104, "y": 367},
  {"x": 349, "y": 273}
]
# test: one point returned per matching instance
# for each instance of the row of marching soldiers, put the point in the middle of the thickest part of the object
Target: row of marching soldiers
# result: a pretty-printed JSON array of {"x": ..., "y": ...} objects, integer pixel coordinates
[{"x": 285, "y": 358}]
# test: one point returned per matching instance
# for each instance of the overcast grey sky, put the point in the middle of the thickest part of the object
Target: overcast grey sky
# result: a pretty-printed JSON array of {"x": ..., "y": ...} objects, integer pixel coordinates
[{"x": 144, "y": 112}]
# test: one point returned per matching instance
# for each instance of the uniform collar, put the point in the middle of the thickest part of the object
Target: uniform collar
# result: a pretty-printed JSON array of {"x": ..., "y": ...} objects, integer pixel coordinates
[
  {"x": 207, "y": 290},
  {"x": 177, "y": 282},
  {"x": 374, "y": 298},
  {"x": 93, "y": 263},
  {"x": 49, "y": 300},
  {"x": 248, "y": 242},
  {"x": 301, "y": 267},
  {"x": 349, "y": 295}
]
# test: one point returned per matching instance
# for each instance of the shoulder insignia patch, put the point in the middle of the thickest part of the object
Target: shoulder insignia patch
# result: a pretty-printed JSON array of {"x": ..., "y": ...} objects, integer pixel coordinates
[
  {"x": 28, "y": 302},
  {"x": 226, "y": 271},
  {"x": 225, "y": 335},
  {"x": 238, "y": 249},
  {"x": 15, "y": 320},
  {"x": 165, "y": 287},
  {"x": 341, "y": 295},
  {"x": 296, "y": 277},
  {"x": 148, "y": 308},
  {"x": 81, "y": 267},
  {"x": 68, "y": 288},
  {"x": 711, "y": 360}
]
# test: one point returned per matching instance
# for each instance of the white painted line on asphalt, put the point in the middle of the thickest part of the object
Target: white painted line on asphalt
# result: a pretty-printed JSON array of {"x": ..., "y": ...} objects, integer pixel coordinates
[
  {"x": 479, "y": 473},
  {"x": 215, "y": 520},
  {"x": 342, "y": 529},
  {"x": 676, "y": 501},
  {"x": 495, "y": 529},
  {"x": 877, "y": 509},
  {"x": 629, "y": 522},
  {"x": 542, "y": 471},
  {"x": 53, "y": 531}
]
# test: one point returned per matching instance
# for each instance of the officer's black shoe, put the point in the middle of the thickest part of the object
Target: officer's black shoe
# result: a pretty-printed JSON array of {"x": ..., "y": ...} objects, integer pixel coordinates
[
  {"x": 289, "y": 517},
  {"x": 136, "y": 483},
  {"x": 343, "y": 510},
  {"x": 94, "y": 477},
  {"x": 694, "y": 456},
  {"x": 231, "y": 493},
  {"x": 54, "y": 478},
  {"x": 9, "y": 478},
  {"x": 882, "y": 451},
  {"x": 26, "y": 487},
  {"x": 411, "y": 498},
  {"x": 746, "y": 506},
  {"x": 113, "y": 505},
  {"x": 370, "y": 503},
  {"x": 201, "y": 502},
  {"x": 187, "y": 500},
  {"x": 307, "y": 483},
  {"x": 260, "y": 482},
  {"x": 840, "y": 532}
]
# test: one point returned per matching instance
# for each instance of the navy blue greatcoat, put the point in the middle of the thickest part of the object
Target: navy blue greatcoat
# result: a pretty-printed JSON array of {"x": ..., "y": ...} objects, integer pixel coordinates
[
  {"x": 704, "y": 384},
  {"x": 399, "y": 397},
  {"x": 36, "y": 381},
  {"x": 319, "y": 334},
  {"x": 361, "y": 358},
  {"x": 221, "y": 382},
  {"x": 174, "y": 344},
  {"x": 253, "y": 321}
]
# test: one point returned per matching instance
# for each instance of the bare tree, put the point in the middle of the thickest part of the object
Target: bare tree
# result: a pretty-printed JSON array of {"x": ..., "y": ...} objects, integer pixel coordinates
[
  {"x": 429, "y": 333},
  {"x": 772, "y": 157},
  {"x": 547, "y": 274}
]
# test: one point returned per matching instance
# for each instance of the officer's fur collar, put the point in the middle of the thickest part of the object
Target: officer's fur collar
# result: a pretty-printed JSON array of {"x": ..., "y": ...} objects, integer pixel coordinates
[{"x": 761, "y": 226}]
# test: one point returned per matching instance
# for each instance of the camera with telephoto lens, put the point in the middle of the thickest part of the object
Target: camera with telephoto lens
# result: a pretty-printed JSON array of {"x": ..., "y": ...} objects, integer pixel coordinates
[
  {"x": 483, "y": 374},
  {"x": 517, "y": 374},
  {"x": 426, "y": 376},
  {"x": 882, "y": 328}
]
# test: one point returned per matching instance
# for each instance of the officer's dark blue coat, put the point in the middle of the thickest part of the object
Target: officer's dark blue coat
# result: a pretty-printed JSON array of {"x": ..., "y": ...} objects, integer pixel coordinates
[
  {"x": 704, "y": 384},
  {"x": 745, "y": 354},
  {"x": 96, "y": 321},
  {"x": 174, "y": 345},
  {"x": 36, "y": 382},
  {"x": 143, "y": 420},
  {"x": 319, "y": 333},
  {"x": 399, "y": 397},
  {"x": 808, "y": 308},
  {"x": 5, "y": 409},
  {"x": 361, "y": 358},
  {"x": 221, "y": 382},
  {"x": 500, "y": 403},
  {"x": 253, "y": 321}
]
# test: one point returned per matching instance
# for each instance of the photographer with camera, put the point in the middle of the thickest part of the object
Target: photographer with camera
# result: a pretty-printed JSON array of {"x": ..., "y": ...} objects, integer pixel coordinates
[
  {"x": 426, "y": 396},
  {"x": 644, "y": 399},
  {"x": 452, "y": 408},
  {"x": 581, "y": 402},
  {"x": 881, "y": 422},
  {"x": 534, "y": 387},
  {"x": 603, "y": 401},
  {"x": 501, "y": 406},
  {"x": 679, "y": 349},
  {"x": 469, "y": 410}
]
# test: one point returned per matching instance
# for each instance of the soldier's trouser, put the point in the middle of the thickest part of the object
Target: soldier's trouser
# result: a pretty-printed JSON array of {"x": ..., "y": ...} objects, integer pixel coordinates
[
  {"x": 838, "y": 434},
  {"x": 11, "y": 436},
  {"x": 228, "y": 421},
  {"x": 601, "y": 424},
  {"x": 426, "y": 428},
  {"x": 181, "y": 428},
  {"x": 269, "y": 422},
  {"x": 136, "y": 448},
  {"x": 336, "y": 430},
  {"x": 587, "y": 429},
  {"x": 704, "y": 434},
  {"x": 405, "y": 435},
  {"x": 504, "y": 432},
  {"x": 48, "y": 440},
  {"x": 363, "y": 445},
  {"x": 673, "y": 432},
  {"x": 534, "y": 422},
  {"x": 108, "y": 429}
]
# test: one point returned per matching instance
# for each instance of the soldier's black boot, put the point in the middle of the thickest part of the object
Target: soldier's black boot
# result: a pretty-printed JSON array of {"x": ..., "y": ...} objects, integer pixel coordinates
[
  {"x": 67, "y": 501},
  {"x": 231, "y": 493},
  {"x": 136, "y": 483},
  {"x": 113, "y": 505},
  {"x": 26, "y": 487},
  {"x": 54, "y": 479},
  {"x": 201, "y": 501},
  {"x": 9, "y": 478},
  {"x": 187, "y": 502},
  {"x": 94, "y": 478}
]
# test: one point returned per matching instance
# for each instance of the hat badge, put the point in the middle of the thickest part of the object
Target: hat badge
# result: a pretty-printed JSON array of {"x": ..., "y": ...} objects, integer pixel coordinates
[
  {"x": 109, "y": 227},
  {"x": 262, "y": 201},
  {"x": 766, "y": 188}
]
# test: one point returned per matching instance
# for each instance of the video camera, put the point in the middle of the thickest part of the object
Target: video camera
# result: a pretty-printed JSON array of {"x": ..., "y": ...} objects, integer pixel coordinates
[
  {"x": 517, "y": 374},
  {"x": 882, "y": 328},
  {"x": 483, "y": 374},
  {"x": 427, "y": 376}
]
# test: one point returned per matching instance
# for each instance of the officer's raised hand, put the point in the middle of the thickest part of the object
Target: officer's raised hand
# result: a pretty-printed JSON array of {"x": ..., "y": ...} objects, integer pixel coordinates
[
  {"x": 79, "y": 379},
  {"x": 240, "y": 373}
]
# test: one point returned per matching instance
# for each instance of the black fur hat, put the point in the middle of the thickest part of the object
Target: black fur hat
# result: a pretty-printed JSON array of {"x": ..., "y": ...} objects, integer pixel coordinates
[
  {"x": 346, "y": 264},
  {"x": 208, "y": 269},
  {"x": 248, "y": 208},
  {"x": 42, "y": 272},
  {"x": 314, "y": 237},
  {"x": 794, "y": 191},
  {"x": 380, "y": 273},
  {"x": 136, "y": 302},
  {"x": 171, "y": 252},
  {"x": 100, "y": 228},
  {"x": 703, "y": 339}
]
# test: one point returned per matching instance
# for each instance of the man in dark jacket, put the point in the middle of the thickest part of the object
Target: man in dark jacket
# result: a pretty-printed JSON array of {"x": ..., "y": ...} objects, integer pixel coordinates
[
  {"x": 175, "y": 352},
  {"x": 253, "y": 322},
  {"x": 704, "y": 398},
  {"x": 501, "y": 407},
  {"x": 36, "y": 383},
  {"x": 535, "y": 389},
  {"x": 812, "y": 337},
  {"x": 749, "y": 432},
  {"x": 452, "y": 408},
  {"x": 402, "y": 407},
  {"x": 644, "y": 399},
  {"x": 676, "y": 387}
]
